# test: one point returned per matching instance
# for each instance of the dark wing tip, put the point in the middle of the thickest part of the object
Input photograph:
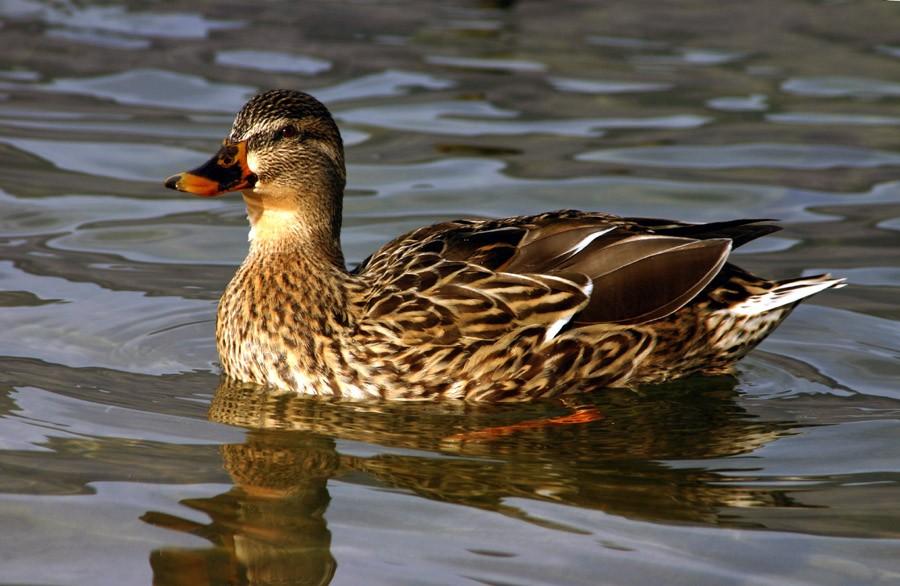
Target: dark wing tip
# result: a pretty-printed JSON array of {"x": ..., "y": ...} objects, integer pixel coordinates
[{"x": 657, "y": 285}]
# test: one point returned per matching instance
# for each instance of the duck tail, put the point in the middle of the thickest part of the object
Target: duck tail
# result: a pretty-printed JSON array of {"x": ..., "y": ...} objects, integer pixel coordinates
[{"x": 787, "y": 292}]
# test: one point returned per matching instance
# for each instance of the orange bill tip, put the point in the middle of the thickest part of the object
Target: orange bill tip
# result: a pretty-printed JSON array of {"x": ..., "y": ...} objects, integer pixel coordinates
[
  {"x": 191, "y": 183},
  {"x": 226, "y": 171}
]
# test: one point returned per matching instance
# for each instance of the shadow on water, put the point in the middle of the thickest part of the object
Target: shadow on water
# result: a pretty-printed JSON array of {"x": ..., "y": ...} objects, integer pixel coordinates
[{"x": 605, "y": 452}]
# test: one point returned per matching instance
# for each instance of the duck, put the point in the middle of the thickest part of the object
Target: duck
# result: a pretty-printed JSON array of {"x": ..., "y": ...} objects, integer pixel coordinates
[{"x": 479, "y": 310}]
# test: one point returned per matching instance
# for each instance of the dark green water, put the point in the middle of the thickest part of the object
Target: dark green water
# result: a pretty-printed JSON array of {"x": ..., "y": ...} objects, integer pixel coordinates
[{"x": 123, "y": 460}]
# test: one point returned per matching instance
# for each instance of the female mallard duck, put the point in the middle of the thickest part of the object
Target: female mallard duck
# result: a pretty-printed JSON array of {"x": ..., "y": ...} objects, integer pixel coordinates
[{"x": 483, "y": 310}]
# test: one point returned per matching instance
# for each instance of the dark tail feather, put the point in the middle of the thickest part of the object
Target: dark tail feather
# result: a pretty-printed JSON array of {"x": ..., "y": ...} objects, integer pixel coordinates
[{"x": 739, "y": 232}]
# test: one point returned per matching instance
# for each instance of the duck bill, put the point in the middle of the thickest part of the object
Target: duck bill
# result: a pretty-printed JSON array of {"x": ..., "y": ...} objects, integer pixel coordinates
[{"x": 227, "y": 171}]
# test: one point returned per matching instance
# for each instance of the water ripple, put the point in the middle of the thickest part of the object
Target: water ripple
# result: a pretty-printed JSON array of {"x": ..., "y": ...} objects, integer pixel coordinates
[
  {"x": 839, "y": 87},
  {"x": 702, "y": 57},
  {"x": 751, "y": 103},
  {"x": 203, "y": 126},
  {"x": 41, "y": 415},
  {"x": 892, "y": 50},
  {"x": 508, "y": 65},
  {"x": 129, "y": 330},
  {"x": 860, "y": 352},
  {"x": 481, "y": 120},
  {"x": 471, "y": 180},
  {"x": 273, "y": 61},
  {"x": 65, "y": 214},
  {"x": 779, "y": 156},
  {"x": 625, "y": 42},
  {"x": 117, "y": 19},
  {"x": 180, "y": 91},
  {"x": 159, "y": 88},
  {"x": 595, "y": 86},
  {"x": 378, "y": 85},
  {"x": 159, "y": 241},
  {"x": 833, "y": 119},
  {"x": 872, "y": 276},
  {"x": 129, "y": 161},
  {"x": 98, "y": 39}
]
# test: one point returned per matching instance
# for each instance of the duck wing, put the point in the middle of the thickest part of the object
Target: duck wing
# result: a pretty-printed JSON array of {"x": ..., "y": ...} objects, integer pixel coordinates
[{"x": 482, "y": 279}]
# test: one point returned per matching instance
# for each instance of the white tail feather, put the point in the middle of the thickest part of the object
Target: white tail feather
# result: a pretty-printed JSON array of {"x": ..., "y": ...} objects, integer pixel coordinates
[{"x": 785, "y": 294}]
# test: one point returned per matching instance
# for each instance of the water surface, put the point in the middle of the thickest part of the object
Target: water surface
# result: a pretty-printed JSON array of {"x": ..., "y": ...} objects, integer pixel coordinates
[{"x": 126, "y": 460}]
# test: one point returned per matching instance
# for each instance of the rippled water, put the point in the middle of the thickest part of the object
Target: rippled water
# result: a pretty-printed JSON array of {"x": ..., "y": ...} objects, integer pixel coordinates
[{"x": 124, "y": 459}]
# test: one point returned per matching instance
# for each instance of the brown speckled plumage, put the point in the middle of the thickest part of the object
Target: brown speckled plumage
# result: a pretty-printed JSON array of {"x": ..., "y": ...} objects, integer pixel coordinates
[{"x": 489, "y": 310}]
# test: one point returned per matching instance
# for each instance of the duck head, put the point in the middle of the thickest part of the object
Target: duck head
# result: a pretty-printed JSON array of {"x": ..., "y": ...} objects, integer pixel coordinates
[{"x": 285, "y": 155}]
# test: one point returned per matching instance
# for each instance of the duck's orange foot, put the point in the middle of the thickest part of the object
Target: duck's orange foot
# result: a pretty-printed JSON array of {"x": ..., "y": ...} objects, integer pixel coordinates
[{"x": 579, "y": 415}]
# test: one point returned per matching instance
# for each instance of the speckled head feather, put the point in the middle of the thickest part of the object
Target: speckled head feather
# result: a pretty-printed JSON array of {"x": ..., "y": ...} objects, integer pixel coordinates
[
  {"x": 294, "y": 149},
  {"x": 274, "y": 106},
  {"x": 262, "y": 119}
]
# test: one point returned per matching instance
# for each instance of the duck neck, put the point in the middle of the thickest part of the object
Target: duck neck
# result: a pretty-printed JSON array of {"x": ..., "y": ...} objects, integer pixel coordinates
[
  {"x": 293, "y": 276},
  {"x": 295, "y": 224}
]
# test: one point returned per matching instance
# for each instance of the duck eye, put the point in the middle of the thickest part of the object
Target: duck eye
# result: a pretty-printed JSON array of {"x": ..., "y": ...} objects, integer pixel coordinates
[{"x": 287, "y": 132}]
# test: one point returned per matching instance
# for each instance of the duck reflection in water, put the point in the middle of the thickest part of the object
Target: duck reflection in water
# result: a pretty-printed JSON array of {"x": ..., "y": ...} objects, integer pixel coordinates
[{"x": 270, "y": 527}]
